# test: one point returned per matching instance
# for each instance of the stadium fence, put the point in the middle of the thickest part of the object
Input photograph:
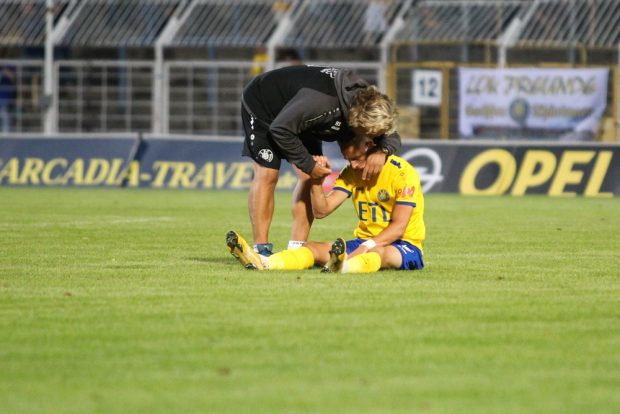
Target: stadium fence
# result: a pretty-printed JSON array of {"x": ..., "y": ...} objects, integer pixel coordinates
[{"x": 178, "y": 66}]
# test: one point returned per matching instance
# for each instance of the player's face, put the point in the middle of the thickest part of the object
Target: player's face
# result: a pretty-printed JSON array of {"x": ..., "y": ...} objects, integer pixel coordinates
[{"x": 356, "y": 156}]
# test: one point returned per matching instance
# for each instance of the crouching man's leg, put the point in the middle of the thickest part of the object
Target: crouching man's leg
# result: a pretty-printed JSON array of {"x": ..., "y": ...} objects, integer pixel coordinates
[
  {"x": 301, "y": 208},
  {"x": 261, "y": 206}
]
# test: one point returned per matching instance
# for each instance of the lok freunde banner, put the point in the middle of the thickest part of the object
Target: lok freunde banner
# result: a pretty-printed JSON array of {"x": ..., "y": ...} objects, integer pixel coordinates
[{"x": 531, "y": 98}]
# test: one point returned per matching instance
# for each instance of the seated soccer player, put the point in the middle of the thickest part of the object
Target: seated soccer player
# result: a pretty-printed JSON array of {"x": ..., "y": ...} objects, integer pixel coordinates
[{"x": 391, "y": 227}]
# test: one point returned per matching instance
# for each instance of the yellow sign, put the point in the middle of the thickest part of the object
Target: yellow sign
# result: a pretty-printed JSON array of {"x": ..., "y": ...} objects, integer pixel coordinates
[{"x": 537, "y": 168}]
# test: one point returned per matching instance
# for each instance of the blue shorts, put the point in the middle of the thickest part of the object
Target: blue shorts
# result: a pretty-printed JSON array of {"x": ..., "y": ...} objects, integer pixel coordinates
[{"x": 412, "y": 256}]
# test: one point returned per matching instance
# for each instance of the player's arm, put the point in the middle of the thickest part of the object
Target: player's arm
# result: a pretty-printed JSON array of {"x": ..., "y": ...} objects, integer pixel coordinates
[
  {"x": 324, "y": 204},
  {"x": 394, "y": 231}
]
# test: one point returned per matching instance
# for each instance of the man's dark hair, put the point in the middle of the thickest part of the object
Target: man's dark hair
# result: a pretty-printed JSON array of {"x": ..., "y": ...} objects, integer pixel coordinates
[{"x": 354, "y": 140}]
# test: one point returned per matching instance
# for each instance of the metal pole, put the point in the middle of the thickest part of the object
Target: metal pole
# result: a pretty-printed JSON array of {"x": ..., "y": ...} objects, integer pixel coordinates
[
  {"x": 385, "y": 46},
  {"x": 444, "y": 126},
  {"x": 159, "y": 122},
  {"x": 158, "y": 96},
  {"x": 49, "y": 103},
  {"x": 465, "y": 24},
  {"x": 617, "y": 114},
  {"x": 284, "y": 23}
]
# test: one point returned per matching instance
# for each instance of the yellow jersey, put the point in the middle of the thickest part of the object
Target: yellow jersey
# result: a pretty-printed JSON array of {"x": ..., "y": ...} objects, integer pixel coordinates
[{"x": 374, "y": 201}]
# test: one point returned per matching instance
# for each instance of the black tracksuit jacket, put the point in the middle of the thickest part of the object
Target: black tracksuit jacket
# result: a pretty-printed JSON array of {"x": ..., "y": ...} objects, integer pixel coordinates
[{"x": 300, "y": 103}]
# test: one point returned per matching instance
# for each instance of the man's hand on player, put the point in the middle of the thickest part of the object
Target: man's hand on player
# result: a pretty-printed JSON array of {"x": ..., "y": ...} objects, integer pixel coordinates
[{"x": 374, "y": 164}]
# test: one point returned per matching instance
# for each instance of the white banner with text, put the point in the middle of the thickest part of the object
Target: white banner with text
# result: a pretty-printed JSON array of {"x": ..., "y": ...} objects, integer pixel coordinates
[{"x": 531, "y": 98}]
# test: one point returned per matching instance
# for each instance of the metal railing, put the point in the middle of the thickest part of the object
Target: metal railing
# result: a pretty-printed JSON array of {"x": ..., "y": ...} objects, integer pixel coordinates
[
  {"x": 200, "y": 98},
  {"x": 101, "y": 96},
  {"x": 204, "y": 97},
  {"x": 21, "y": 96}
]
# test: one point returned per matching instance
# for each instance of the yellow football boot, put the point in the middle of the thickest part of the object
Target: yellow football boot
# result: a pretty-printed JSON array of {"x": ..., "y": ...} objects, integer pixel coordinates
[
  {"x": 337, "y": 257},
  {"x": 243, "y": 252}
]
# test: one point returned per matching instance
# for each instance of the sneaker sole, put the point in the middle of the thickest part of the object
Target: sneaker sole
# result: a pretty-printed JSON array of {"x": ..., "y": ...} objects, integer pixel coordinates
[
  {"x": 338, "y": 247},
  {"x": 337, "y": 250},
  {"x": 232, "y": 241}
]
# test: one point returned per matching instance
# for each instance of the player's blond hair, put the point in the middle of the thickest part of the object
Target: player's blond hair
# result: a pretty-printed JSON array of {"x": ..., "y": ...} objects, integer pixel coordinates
[{"x": 373, "y": 111}]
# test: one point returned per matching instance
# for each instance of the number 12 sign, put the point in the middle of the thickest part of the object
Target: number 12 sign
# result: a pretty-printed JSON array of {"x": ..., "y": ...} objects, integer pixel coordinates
[{"x": 426, "y": 87}]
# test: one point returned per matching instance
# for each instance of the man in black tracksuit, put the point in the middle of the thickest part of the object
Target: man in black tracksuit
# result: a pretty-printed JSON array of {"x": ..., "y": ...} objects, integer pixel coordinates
[{"x": 286, "y": 114}]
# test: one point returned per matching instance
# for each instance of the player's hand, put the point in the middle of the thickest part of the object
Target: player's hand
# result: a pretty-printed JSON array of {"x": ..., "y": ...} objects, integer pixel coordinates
[
  {"x": 322, "y": 160},
  {"x": 374, "y": 164},
  {"x": 320, "y": 171}
]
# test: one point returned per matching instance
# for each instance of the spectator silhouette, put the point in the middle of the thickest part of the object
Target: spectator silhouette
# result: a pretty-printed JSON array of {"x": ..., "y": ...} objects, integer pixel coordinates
[
  {"x": 259, "y": 61},
  {"x": 7, "y": 95}
]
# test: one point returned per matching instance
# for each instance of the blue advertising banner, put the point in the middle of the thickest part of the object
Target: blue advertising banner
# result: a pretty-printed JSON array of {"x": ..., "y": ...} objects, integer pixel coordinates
[
  {"x": 516, "y": 169},
  {"x": 454, "y": 167},
  {"x": 129, "y": 162}
]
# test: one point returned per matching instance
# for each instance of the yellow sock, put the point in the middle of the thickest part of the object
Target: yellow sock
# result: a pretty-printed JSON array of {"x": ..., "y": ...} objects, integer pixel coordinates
[
  {"x": 297, "y": 259},
  {"x": 364, "y": 263}
]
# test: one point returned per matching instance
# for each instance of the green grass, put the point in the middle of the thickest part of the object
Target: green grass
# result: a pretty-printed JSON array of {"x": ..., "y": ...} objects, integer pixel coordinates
[{"x": 126, "y": 301}]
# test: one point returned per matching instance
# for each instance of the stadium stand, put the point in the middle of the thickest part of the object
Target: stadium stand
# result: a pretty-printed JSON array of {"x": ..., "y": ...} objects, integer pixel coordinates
[
  {"x": 22, "y": 22},
  {"x": 458, "y": 24},
  {"x": 223, "y": 23},
  {"x": 178, "y": 66},
  {"x": 366, "y": 25},
  {"x": 117, "y": 23}
]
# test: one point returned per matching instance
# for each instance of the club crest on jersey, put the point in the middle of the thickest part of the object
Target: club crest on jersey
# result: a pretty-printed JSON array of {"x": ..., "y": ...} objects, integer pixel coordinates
[
  {"x": 383, "y": 195},
  {"x": 266, "y": 154}
]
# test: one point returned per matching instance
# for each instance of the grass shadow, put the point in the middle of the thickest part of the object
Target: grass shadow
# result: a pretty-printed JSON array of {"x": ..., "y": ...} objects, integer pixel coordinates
[{"x": 218, "y": 260}]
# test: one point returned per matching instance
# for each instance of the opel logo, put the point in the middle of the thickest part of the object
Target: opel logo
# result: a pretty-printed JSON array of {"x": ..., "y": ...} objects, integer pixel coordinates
[{"x": 428, "y": 164}]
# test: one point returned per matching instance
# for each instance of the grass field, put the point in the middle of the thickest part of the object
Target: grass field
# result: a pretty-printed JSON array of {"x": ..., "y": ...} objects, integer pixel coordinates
[{"x": 126, "y": 301}]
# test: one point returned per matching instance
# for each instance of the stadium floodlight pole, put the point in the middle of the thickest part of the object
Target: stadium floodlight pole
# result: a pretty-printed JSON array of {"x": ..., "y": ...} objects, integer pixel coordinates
[
  {"x": 159, "y": 125},
  {"x": 617, "y": 122},
  {"x": 284, "y": 23},
  {"x": 512, "y": 33},
  {"x": 507, "y": 40},
  {"x": 510, "y": 36},
  {"x": 49, "y": 103},
  {"x": 57, "y": 32},
  {"x": 386, "y": 42}
]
